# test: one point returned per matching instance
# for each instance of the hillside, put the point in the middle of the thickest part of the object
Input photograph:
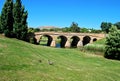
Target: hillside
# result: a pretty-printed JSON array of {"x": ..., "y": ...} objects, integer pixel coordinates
[
  {"x": 47, "y": 27},
  {"x": 21, "y": 61}
]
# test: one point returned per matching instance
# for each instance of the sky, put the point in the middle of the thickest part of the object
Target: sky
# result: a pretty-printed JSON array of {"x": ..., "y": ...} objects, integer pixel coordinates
[{"x": 61, "y": 13}]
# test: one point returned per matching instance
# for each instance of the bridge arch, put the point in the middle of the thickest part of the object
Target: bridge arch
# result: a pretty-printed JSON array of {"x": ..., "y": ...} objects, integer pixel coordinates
[
  {"x": 49, "y": 41},
  {"x": 75, "y": 40},
  {"x": 95, "y": 39},
  {"x": 86, "y": 40},
  {"x": 63, "y": 41}
]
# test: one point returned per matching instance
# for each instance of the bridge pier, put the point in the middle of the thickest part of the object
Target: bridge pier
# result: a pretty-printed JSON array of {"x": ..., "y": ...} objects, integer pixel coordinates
[
  {"x": 80, "y": 43},
  {"x": 38, "y": 38},
  {"x": 53, "y": 43},
  {"x": 67, "y": 44}
]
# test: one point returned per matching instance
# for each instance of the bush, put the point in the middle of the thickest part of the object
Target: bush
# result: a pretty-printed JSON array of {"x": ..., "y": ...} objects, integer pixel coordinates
[
  {"x": 7, "y": 33},
  {"x": 33, "y": 40},
  {"x": 95, "y": 47},
  {"x": 112, "y": 50}
]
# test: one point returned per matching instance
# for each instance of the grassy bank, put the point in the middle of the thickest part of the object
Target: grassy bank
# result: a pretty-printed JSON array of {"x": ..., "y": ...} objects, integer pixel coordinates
[
  {"x": 97, "y": 47},
  {"x": 21, "y": 61}
]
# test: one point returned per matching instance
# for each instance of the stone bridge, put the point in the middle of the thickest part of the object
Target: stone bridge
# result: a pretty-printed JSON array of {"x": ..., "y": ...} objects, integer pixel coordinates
[{"x": 69, "y": 39}]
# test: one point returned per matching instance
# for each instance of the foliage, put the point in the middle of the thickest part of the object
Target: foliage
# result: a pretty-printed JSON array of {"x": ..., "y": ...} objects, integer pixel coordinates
[
  {"x": 74, "y": 27},
  {"x": 37, "y": 30},
  {"x": 7, "y": 18},
  {"x": 0, "y": 25},
  {"x": 87, "y": 30},
  {"x": 66, "y": 29},
  {"x": 97, "y": 46},
  {"x": 33, "y": 40},
  {"x": 20, "y": 18},
  {"x": 95, "y": 31},
  {"x": 84, "y": 30},
  {"x": 55, "y": 29},
  {"x": 14, "y": 20},
  {"x": 117, "y": 25},
  {"x": 105, "y": 26},
  {"x": 45, "y": 30},
  {"x": 112, "y": 50},
  {"x": 31, "y": 30}
]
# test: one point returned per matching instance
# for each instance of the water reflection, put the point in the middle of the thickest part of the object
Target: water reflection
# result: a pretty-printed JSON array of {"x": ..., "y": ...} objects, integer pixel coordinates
[{"x": 58, "y": 45}]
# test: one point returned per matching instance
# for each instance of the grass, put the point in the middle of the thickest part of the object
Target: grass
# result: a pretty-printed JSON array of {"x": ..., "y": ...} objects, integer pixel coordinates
[
  {"x": 43, "y": 41},
  {"x": 97, "y": 47},
  {"x": 19, "y": 61}
]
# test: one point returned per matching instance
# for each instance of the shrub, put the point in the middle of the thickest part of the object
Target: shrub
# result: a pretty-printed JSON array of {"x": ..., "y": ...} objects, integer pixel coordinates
[
  {"x": 94, "y": 47},
  {"x": 112, "y": 50},
  {"x": 33, "y": 40}
]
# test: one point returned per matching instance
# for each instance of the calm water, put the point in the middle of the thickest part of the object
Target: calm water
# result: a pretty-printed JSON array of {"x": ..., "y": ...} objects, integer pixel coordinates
[{"x": 57, "y": 45}]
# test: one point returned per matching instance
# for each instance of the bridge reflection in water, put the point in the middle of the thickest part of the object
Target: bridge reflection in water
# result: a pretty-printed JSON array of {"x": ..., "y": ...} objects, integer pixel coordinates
[
  {"x": 58, "y": 45},
  {"x": 64, "y": 40}
]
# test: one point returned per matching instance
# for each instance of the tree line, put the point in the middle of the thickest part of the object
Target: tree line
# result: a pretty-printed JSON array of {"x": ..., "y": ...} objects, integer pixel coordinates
[
  {"x": 105, "y": 26},
  {"x": 13, "y": 20},
  {"x": 73, "y": 28}
]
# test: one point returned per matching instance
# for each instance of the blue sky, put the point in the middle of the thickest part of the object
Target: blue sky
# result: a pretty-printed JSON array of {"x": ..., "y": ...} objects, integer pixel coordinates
[{"x": 61, "y": 13}]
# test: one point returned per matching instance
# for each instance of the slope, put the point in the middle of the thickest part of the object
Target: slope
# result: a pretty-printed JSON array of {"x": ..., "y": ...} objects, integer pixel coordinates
[{"x": 21, "y": 61}]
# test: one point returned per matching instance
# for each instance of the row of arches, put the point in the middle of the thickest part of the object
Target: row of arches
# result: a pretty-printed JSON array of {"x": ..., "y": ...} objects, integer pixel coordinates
[{"x": 74, "y": 40}]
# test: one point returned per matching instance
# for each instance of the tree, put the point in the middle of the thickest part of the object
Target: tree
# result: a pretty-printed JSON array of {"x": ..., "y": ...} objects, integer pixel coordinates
[
  {"x": 7, "y": 18},
  {"x": 66, "y": 29},
  {"x": 84, "y": 30},
  {"x": 0, "y": 25},
  {"x": 37, "y": 30},
  {"x": 112, "y": 50},
  {"x": 24, "y": 27},
  {"x": 20, "y": 20},
  {"x": 105, "y": 26},
  {"x": 31, "y": 30},
  {"x": 74, "y": 27},
  {"x": 117, "y": 25}
]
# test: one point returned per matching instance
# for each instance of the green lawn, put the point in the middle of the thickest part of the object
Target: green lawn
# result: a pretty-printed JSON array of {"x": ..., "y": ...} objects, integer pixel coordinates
[{"x": 20, "y": 61}]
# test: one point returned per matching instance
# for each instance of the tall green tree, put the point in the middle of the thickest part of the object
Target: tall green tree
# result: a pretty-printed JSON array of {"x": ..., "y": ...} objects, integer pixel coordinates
[
  {"x": 112, "y": 50},
  {"x": 20, "y": 20},
  {"x": 0, "y": 25},
  {"x": 7, "y": 18},
  {"x": 24, "y": 28},
  {"x": 74, "y": 27},
  {"x": 105, "y": 26},
  {"x": 117, "y": 25}
]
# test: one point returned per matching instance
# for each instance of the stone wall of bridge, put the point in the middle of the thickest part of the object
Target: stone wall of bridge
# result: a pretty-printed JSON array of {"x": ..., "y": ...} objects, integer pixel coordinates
[{"x": 69, "y": 39}]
